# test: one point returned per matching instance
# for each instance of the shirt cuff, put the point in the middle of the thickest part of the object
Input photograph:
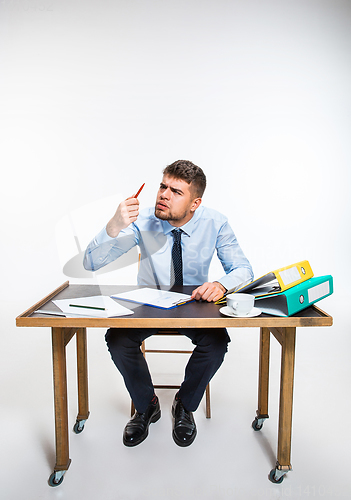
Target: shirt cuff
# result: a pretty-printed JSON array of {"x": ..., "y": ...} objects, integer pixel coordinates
[
  {"x": 230, "y": 282},
  {"x": 227, "y": 282}
]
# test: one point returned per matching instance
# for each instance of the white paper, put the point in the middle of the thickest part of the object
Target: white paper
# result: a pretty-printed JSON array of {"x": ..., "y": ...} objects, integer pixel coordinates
[
  {"x": 110, "y": 306},
  {"x": 50, "y": 313},
  {"x": 153, "y": 297}
]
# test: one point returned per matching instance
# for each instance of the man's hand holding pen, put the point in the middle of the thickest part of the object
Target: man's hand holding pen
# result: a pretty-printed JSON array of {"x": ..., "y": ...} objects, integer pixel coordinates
[{"x": 126, "y": 213}]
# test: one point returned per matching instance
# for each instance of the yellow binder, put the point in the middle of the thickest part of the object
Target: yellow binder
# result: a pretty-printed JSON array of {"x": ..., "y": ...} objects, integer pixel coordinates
[{"x": 280, "y": 280}]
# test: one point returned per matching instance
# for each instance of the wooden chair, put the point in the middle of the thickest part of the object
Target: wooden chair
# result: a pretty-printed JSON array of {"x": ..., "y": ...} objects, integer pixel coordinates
[{"x": 172, "y": 351}]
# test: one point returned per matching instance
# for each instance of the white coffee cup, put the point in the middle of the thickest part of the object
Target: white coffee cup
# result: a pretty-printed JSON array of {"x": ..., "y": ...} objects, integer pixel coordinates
[{"x": 240, "y": 303}]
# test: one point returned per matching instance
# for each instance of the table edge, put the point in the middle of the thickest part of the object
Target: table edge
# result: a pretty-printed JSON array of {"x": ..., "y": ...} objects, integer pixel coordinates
[{"x": 23, "y": 320}]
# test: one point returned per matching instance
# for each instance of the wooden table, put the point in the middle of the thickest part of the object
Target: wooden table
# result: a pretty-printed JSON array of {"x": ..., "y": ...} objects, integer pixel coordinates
[{"x": 192, "y": 315}]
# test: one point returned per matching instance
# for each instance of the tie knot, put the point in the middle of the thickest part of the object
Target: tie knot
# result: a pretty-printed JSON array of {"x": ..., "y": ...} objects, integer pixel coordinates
[{"x": 177, "y": 234}]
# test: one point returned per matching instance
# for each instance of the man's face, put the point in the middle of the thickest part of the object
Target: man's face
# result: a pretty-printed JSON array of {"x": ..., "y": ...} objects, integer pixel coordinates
[{"x": 175, "y": 201}]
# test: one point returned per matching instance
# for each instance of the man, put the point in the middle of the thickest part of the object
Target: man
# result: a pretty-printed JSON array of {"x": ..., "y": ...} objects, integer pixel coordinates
[{"x": 177, "y": 240}]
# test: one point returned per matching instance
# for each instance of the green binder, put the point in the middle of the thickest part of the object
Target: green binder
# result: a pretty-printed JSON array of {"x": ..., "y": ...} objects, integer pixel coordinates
[{"x": 296, "y": 298}]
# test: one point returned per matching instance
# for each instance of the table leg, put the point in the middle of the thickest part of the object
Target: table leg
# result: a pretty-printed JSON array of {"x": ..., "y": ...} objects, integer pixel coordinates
[
  {"x": 263, "y": 380},
  {"x": 61, "y": 408},
  {"x": 285, "y": 405},
  {"x": 82, "y": 375}
]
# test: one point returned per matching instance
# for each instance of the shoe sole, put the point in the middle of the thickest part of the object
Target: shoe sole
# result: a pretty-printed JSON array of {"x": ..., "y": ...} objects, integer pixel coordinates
[{"x": 142, "y": 438}]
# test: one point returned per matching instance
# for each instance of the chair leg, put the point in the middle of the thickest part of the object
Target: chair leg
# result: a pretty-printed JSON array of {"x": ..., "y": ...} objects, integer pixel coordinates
[{"x": 208, "y": 402}]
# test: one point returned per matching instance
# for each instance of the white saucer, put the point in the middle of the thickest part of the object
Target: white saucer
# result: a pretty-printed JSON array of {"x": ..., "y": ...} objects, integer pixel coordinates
[{"x": 228, "y": 312}]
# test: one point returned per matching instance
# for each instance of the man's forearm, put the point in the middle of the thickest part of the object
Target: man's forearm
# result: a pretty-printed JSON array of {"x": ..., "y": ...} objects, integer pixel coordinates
[
  {"x": 112, "y": 229},
  {"x": 103, "y": 249}
]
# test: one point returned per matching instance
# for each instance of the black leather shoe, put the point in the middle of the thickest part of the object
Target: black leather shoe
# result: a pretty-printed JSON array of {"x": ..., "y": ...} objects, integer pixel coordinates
[
  {"x": 137, "y": 429},
  {"x": 184, "y": 427}
]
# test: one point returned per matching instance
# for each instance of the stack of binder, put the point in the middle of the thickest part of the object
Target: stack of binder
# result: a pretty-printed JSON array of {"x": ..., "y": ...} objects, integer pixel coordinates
[{"x": 288, "y": 290}]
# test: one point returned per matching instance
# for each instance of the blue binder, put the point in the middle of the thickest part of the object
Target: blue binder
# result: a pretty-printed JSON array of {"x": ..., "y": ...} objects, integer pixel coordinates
[{"x": 296, "y": 298}]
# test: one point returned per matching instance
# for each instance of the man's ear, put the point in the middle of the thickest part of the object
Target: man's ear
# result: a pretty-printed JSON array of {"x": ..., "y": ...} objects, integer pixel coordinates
[{"x": 196, "y": 203}]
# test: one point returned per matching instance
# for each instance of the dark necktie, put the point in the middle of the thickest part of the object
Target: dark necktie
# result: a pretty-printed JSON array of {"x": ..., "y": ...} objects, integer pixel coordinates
[{"x": 177, "y": 264}]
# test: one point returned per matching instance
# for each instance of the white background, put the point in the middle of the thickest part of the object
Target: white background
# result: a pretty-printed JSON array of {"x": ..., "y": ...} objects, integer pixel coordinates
[{"x": 98, "y": 97}]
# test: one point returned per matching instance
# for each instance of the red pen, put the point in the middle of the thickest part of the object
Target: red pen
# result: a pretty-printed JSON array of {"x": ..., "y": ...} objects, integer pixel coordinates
[{"x": 136, "y": 196}]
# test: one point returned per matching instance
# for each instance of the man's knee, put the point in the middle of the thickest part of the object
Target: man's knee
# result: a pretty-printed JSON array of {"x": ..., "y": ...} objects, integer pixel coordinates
[
  {"x": 126, "y": 338},
  {"x": 118, "y": 339},
  {"x": 215, "y": 339},
  {"x": 221, "y": 340}
]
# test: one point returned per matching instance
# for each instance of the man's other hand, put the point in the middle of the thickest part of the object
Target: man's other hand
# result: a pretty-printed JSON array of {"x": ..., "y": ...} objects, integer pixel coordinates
[
  {"x": 126, "y": 213},
  {"x": 209, "y": 291}
]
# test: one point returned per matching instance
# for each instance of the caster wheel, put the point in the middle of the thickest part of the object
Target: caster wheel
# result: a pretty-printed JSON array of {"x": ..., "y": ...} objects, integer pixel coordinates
[
  {"x": 272, "y": 477},
  {"x": 256, "y": 426},
  {"x": 53, "y": 482},
  {"x": 77, "y": 428}
]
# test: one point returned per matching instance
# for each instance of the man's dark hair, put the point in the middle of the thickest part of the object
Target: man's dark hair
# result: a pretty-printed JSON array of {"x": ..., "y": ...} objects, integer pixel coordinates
[{"x": 190, "y": 173}]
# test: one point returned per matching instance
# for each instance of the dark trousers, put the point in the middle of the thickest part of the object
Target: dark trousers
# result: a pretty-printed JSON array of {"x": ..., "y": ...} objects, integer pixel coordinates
[{"x": 124, "y": 346}]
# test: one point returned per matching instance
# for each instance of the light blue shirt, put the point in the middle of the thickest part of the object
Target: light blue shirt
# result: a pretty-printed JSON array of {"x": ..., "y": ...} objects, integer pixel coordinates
[{"x": 206, "y": 232}]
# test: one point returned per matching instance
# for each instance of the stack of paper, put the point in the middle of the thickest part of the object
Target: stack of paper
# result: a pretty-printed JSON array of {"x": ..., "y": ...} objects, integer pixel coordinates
[
  {"x": 98, "y": 306},
  {"x": 154, "y": 297}
]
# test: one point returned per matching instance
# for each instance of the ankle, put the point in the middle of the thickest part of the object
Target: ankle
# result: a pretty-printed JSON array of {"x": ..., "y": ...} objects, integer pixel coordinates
[
  {"x": 154, "y": 400},
  {"x": 178, "y": 398}
]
